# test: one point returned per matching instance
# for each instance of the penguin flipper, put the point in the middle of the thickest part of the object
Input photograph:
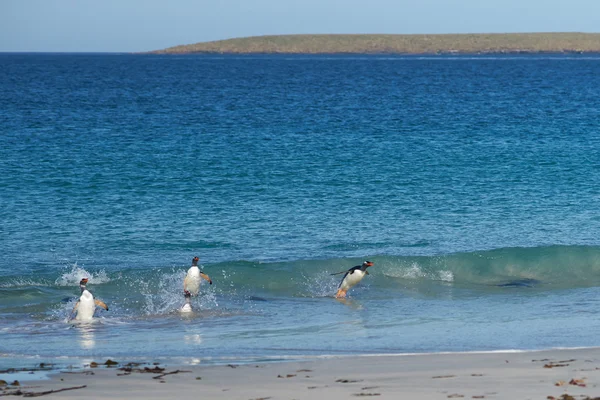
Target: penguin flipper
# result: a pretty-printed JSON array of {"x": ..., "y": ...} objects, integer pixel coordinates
[
  {"x": 343, "y": 272},
  {"x": 100, "y": 303},
  {"x": 74, "y": 311},
  {"x": 205, "y": 277}
]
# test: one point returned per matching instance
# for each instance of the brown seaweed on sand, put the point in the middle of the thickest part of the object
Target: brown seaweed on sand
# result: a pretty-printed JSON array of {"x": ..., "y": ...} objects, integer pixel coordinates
[
  {"x": 38, "y": 394},
  {"x": 554, "y": 365},
  {"x": 147, "y": 370},
  {"x": 169, "y": 373},
  {"x": 155, "y": 370},
  {"x": 577, "y": 382}
]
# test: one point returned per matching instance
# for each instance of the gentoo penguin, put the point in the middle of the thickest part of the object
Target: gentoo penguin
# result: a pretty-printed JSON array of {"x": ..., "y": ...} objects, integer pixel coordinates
[
  {"x": 352, "y": 277},
  {"x": 191, "y": 283},
  {"x": 86, "y": 305}
]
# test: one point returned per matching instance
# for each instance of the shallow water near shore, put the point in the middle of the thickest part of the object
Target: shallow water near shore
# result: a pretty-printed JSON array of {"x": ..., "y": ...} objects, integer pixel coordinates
[{"x": 470, "y": 182}]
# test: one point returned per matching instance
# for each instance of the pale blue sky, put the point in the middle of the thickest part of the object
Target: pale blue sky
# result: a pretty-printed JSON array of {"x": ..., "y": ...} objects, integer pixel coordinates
[{"x": 141, "y": 25}]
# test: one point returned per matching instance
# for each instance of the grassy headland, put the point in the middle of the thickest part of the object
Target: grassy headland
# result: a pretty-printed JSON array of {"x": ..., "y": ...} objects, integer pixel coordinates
[{"x": 399, "y": 44}]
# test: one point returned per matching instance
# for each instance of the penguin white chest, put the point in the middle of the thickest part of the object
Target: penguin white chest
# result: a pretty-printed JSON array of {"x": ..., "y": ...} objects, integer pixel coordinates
[
  {"x": 192, "y": 281},
  {"x": 352, "y": 279},
  {"x": 86, "y": 307}
]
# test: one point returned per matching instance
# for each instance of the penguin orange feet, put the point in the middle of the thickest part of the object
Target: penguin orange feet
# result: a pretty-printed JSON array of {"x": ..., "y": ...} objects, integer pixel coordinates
[{"x": 340, "y": 294}]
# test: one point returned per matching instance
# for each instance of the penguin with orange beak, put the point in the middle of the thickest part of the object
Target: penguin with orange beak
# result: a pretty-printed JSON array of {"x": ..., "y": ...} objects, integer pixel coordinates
[
  {"x": 191, "y": 284},
  {"x": 86, "y": 305},
  {"x": 352, "y": 277}
]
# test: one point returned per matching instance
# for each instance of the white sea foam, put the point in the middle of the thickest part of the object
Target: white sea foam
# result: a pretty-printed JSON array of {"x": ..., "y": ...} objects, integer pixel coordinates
[
  {"x": 73, "y": 276},
  {"x": 168, "y": 296},
  {"x": 23, "y": 282},
  {"x": 446, "y": 276}
]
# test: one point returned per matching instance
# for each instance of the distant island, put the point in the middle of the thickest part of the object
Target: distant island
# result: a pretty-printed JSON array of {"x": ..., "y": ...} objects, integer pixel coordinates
[{"x": 399, "y": 44}]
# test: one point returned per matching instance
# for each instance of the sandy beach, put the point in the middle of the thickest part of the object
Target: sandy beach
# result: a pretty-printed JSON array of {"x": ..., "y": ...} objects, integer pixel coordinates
[{"x": 550, "y": 374}]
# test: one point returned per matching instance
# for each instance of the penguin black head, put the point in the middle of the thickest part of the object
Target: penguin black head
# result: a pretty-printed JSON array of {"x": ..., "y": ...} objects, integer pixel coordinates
[
  {"x": 366, "y": 265},
  {"x": 195, "y": 261},
  {"x": 82, "y": 284}
]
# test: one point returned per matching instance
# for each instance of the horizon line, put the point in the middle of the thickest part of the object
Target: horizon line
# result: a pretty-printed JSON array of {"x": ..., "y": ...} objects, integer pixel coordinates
[{"x": 288, "y": 34}]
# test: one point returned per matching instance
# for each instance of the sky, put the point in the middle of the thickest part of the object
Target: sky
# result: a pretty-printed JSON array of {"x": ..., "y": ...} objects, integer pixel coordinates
[{"x": 143, "y": 25}]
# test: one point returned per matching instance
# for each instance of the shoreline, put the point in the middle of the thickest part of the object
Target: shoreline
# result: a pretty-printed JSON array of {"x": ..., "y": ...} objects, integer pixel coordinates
[
  {"x": 69, "y": 363},
  {"x": 54, "y": 365},
  {"x": 494, "y": 375}
]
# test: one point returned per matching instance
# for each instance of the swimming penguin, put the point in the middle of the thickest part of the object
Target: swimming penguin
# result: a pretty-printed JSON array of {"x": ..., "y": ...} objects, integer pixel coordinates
[
  {"x": 352, "y": 277},
  {"x": 86, "y": 305},
  {"x": 191, "y": 283}
]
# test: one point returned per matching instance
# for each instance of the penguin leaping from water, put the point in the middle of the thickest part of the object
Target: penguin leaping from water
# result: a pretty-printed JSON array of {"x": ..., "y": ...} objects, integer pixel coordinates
[
  {"x": 352, "y": 277},
  {"x": 191, "y": 283},
  {"x": 86, "y": 305}
]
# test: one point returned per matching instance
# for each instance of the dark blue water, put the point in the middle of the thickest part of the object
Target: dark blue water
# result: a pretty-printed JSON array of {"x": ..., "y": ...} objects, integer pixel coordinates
[{"x": 473, "y": 183}]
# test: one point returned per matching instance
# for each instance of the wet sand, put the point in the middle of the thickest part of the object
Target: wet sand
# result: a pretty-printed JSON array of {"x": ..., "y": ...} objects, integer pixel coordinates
[{"x": 554, "y": 374}]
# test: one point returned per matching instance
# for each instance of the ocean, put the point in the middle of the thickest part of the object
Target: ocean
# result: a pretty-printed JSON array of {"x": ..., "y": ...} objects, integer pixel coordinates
[{"x": 471, "y": 182}]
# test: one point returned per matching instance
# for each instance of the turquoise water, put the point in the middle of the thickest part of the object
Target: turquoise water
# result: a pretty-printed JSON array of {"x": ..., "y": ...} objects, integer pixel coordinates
[{"x": 471, "y": 182}]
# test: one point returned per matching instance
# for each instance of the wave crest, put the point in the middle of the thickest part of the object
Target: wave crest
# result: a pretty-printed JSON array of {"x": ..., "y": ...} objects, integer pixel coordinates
[{"x": 76, "y": 273}]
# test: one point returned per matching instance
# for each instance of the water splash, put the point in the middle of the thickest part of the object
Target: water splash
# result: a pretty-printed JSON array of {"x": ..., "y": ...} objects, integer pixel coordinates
[{"x": 76, "y": 273}]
